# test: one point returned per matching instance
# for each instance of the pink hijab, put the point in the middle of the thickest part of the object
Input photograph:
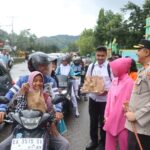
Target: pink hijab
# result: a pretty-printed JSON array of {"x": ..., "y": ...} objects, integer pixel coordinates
[
  {"x": 119, "y": 92},
  {"x": 121, "y": 66},
  {"x": 43, "y": 96},
  {"x": 31, "y": 78}
]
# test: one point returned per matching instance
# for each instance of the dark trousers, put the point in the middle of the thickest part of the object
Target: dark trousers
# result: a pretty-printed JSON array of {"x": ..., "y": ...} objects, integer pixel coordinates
[
  {"x": 132, "y": 142},
  {"x": 96, "y": 112}
]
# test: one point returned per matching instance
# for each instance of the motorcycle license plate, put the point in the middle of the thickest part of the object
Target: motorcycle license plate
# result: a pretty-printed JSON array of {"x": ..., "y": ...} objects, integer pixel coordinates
[{"x": 27, "y": 144}]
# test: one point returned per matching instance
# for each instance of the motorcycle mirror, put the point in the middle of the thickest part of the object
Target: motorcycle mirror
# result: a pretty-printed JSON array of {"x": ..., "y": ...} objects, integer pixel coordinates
[
  {"x": 64, "y": 92},
  {"x": 58, "y": 99}
]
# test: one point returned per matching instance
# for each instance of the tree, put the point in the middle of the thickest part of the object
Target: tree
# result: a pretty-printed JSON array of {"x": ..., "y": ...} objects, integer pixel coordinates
[
  {"x": 108, "y": 26},
  {"x": 136, "y": 21},
  {"x": 72, "y": 47},
  {"x": 3, "y": 35},
  {"x": 26, "y": 40},
  {"x": 86, "y": 42},
  {"x": 146, "y": 8},
  {"x": 51, "y": 48}
]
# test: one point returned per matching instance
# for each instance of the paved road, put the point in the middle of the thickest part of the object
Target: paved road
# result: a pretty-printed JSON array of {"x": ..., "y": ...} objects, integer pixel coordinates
[
  {"x": 78, "y": 128},
  {"x": 19, "y": 70}
]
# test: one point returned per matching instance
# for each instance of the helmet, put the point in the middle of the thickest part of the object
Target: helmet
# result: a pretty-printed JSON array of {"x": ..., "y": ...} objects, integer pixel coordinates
[
  {"x": 88, "y": 55},
  {"x": 88, "y": 61},
  {"x": 38, "y": 58},
  {"x": 77, "y": 60},
  {"x": 66, "y": 58}
]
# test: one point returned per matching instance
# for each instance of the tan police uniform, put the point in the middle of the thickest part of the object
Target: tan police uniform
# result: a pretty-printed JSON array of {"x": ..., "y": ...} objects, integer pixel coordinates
[{"x": 140, "y": 102}]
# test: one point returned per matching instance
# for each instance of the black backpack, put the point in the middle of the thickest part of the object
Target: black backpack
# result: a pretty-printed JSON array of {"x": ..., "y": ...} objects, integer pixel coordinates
[{"x": 108, "y": 70}]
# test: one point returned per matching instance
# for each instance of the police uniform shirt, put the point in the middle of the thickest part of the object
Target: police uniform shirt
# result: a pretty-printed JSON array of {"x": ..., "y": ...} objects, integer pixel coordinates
[{"x": 140, "y": 102}]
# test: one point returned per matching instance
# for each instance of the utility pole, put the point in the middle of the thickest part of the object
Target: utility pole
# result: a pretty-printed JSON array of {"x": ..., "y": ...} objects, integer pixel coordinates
[
  {"x": 10, "y": 25},
  {"x": 12, "y": 31}
]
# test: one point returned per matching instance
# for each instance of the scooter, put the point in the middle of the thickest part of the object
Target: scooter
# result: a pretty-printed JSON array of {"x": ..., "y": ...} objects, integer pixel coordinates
[
  {"x": 31, "y": 132},
  {"x": 10, "y": 63},
  {"x": 64, "y": 84}
]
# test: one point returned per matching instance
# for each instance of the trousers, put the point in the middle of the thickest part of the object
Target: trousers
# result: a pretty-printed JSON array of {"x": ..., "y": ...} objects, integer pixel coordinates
[
  {"x": 96, "y": 112},
  {"x": 132, "y": 142},
  {"x": 121, "y": 139}
]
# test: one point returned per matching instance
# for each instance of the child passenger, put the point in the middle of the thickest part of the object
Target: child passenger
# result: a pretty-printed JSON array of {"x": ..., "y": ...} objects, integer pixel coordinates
[
  {"x": 119, "y": 92},
  {"x": 32, "y": 96}
]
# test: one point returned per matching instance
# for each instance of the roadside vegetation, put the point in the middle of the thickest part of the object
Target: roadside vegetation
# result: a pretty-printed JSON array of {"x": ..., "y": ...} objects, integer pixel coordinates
[{"x": 126, "y": 27}]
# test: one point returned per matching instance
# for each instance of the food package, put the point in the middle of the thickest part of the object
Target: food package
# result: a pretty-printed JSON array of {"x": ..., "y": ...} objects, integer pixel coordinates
[{"x": 93, "y": 84}]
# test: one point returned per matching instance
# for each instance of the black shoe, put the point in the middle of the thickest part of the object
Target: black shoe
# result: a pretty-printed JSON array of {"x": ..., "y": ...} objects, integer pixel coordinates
[
  {"x": 77, "y": 116},
  {"x": 100, "y": 147},
  {"x": 91, "y": 146},
  {"x": 102, "y": 142}
]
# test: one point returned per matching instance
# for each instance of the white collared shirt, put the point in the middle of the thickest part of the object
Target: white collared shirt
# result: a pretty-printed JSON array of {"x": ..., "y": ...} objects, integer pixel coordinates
[
  {"x": 102, "y": 71},
  {"x": 64, "y": 70}
]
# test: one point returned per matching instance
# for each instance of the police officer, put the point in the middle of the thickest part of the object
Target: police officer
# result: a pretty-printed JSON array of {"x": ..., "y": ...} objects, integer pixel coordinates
[{"x": 139, "y": 106}]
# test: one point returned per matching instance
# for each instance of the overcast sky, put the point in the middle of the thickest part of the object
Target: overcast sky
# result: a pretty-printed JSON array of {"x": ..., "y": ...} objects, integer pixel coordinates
[{"x": 53, "y": 17}]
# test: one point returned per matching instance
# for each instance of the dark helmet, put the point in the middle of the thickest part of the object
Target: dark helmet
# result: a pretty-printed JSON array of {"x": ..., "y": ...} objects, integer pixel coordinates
[
  {"x": 77, "y": 60},
  {"x": 36, "y": 59}
]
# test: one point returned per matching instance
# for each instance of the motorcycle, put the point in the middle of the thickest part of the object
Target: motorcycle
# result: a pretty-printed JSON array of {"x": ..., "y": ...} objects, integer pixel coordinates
[
  {"x": 30, "y": 132},
  {"x": 10, "y": 63},
  {"x": 5, "y": 128},
  {"x": 64, "y": 84}
]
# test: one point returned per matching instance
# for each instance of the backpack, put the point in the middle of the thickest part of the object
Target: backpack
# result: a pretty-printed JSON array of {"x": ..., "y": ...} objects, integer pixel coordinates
[{"x": 108, "y": 70}]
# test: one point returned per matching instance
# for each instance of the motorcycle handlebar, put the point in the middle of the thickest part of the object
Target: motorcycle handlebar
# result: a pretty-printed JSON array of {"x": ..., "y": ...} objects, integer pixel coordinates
[
  {"x": 3, "y": 100},
  {"x": 58, "y": 99}
]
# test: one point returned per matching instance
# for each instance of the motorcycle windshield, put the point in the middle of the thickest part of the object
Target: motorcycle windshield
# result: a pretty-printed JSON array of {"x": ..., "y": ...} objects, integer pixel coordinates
[
  {"x": 62, "y": 81},
  {"x": 31, "y": 119},
  {"x": 30, "y": 123}
]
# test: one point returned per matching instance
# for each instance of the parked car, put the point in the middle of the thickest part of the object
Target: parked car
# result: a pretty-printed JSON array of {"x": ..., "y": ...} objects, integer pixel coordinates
[{"x": 6, "y": 81}]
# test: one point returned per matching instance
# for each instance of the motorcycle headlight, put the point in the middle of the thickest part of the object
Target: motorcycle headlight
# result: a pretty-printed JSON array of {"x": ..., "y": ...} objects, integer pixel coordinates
[{"x": 30, "y": 123}]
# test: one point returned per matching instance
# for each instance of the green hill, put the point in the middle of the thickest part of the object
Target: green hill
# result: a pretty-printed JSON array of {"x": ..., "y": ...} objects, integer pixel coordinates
[{"x": 61, "y": 41}]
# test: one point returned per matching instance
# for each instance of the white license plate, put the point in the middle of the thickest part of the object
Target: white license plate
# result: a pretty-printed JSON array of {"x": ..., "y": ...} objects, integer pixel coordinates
[{"x": 27, "y": 144}]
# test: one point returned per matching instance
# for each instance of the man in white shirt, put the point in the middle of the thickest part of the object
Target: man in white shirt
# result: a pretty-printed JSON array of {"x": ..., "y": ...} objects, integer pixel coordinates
[
  {"x": 97, "y": 102},
  {"x": 66, "y": 69}
]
